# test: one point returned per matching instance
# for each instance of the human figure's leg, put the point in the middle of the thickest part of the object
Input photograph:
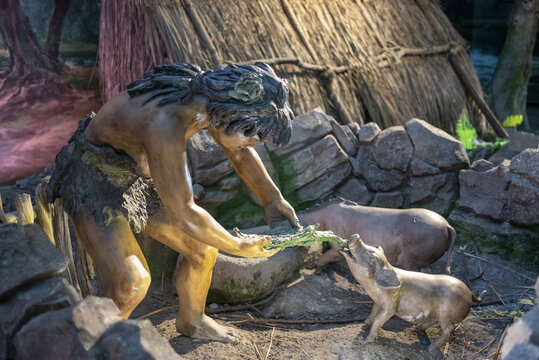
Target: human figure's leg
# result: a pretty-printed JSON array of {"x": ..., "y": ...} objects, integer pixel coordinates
[
  {"x": 119, "y": 261},
  {"x": 192, "y": 282}
]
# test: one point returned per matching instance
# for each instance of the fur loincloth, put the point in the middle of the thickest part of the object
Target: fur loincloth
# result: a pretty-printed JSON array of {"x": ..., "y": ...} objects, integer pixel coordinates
[{"x": 103, "y": 181}]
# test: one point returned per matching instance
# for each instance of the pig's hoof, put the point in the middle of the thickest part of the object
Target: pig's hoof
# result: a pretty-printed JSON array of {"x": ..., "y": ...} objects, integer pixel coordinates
[{"x": 370, "y": 339}]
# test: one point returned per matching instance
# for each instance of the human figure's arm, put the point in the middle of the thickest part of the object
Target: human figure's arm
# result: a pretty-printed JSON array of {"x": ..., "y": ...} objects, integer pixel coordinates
[
  {"x": 250, "y": 168},
  {"x": 165, "y": 148}
]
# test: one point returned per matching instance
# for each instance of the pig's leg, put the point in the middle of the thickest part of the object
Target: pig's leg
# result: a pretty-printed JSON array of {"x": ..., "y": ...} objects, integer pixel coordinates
[
  {"x": 443, "y": 339},
  {"x": 383, "y": 315},
  {"x": 375, "y": 309}
]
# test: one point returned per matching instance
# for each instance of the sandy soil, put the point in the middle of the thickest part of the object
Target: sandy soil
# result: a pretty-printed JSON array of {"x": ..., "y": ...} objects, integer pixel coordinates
[{"x": 334, "y": 290}]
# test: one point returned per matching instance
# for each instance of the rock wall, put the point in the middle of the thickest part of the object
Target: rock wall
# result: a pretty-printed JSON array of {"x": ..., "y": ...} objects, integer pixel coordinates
[
  {"x": 415, "y": 165},
  {"x": 43, "y": 317},
  {"x": 499, "y": 205}
]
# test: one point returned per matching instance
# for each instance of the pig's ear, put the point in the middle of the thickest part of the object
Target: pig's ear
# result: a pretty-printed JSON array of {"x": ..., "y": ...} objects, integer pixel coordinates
[{"x": 387, "y": 278}]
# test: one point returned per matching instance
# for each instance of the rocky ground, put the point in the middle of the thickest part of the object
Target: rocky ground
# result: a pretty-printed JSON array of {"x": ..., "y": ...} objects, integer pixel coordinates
[{"x": 334, "y": 294}]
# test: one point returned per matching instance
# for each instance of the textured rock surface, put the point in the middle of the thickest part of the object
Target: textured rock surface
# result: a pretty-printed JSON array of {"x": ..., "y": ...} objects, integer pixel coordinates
[
  {"x": 484, "y": 191},
  {"x": 388, "y": 200},
  {"x": 436, "y": 147},
  {"x": 346, "y": 138},
  {"x": 21, "y": 246},
  {"x": 128, "y": 339},
  {"x": 355, "y": 190},
  {"x": 49, "y": 294},
  {"x": 305, "y": 129},
  {"x": 238, "y": 279},
  {"x": 368, "y": 133},
  {"x": 526, "y": 164},
  {"x": 378, "y": 179},
  {"x": 66, "y": 334},
  {"x": 393, "y": 149},
  {"x": 522, "y": 338},
  {"x": 523, "y": 202}
]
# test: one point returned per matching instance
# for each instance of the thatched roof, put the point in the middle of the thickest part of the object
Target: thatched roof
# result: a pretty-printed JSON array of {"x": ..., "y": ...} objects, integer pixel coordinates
[{"x": 388, "y": 60}]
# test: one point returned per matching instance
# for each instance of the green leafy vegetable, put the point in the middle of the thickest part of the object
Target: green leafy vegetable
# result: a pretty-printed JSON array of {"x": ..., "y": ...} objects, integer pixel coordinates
[{"x": 284, "y": 236}]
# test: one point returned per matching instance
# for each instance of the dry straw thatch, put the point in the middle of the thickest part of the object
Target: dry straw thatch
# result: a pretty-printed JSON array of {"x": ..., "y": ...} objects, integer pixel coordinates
[{"x": 375, "y": 60}]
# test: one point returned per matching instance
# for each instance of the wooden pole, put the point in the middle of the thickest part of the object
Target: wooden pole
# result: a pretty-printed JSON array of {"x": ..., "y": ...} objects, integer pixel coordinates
[
  {"x": 498, "y": 128},
  {"x": 6, "y": 218},
  {"x": 63, "y": 241},
  {"x": 44, "y": 211},
  {"x": 25, "y": 210}
]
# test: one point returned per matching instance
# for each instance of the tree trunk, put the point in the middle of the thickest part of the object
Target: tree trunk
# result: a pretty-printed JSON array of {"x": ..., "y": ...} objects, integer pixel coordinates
[
  {"x": 52, "y": 47},
  {"x": 27, "y": 58},
  {"x": 509, "y": 87}
]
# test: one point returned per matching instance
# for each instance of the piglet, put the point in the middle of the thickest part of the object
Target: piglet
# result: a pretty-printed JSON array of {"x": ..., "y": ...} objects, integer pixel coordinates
[{"x": 419, "y": 298}]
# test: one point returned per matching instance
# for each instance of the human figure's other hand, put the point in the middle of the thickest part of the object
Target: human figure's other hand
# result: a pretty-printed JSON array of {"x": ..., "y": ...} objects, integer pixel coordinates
[
  {"x": 253, "y": 246},
  {"x": 281, "y": 210}
]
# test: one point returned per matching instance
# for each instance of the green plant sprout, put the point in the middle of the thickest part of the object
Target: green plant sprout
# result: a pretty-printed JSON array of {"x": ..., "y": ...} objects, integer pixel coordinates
[
  {"x": 513, "y": 121},
  {"x": 468, "y": 136}
]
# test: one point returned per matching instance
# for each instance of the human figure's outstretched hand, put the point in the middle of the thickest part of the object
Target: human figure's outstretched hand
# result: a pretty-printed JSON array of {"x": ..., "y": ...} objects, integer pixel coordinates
[{"x": 281, "y": 210}]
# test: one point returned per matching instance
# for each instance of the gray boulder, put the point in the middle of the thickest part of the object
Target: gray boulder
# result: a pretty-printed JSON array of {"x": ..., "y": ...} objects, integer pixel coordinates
[
  {"x": 522, "y": 338},
  {"x": 355, "y": 190},
  {"x": 346, "y": 138},
  {"x": 393, "y": 149},
  {"x": 423, "y": 189},
  {"x": 436, "y": 147},
  {"x": 46, "y": 295},
  {"x": 484, "y": 191},
  {"x": 68, "y": 333},
  {"x": 420, "y": 168},
  {"x": 132, "y": 340},
  {"x": 526, "y": 164},
  {"x": 312, "y": 162},
  {"x": 208, "y": 177},
  {"x": 378, "y": 179},
  {"x": 203, "y": 152},
  {"x": 26, "y": 255},
  {"x": 391, "y": 200},
  {"x": 306, "y": 128},
  {"x": 236, "y": 279},
  {"x": 445, "y": 198},
  {"x": 325, "y": 184},
  {"x": 368, "y": 133},
  {"x": 523, "y": 202}
]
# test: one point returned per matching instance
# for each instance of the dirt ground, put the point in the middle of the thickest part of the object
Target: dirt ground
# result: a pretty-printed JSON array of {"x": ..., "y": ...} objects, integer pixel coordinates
[{"x": 334, "y": 294}]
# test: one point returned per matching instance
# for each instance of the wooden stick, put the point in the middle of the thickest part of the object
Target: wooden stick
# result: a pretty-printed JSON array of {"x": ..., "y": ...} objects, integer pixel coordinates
[
  {"x": 498, "y": 128},
  {"x": 271, "y": 342},
  {"x": 286, "y": 321},
  {"x": 499, "y": 346},
  {"x": 498, "y": 265},
  {"x": 486, "y": 346},
  {"x": 25, "y": 210}
]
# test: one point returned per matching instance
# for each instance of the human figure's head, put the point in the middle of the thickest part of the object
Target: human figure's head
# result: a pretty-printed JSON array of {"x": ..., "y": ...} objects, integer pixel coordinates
[{"x": 250, "y": 100}]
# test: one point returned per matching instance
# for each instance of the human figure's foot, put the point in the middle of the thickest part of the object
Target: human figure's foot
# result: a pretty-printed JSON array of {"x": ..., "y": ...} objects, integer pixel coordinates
[{"x": 209, "y": 329}]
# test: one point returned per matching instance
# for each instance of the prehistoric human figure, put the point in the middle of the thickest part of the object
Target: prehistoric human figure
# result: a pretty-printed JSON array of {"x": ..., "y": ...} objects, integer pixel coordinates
[{"x": 125, "y": 170}]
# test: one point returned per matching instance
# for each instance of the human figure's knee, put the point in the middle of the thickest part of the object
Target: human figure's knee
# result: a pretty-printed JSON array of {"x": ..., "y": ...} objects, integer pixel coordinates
[
  {"x": 130, "y": 285},
  {"x": 203, "y": 258}
]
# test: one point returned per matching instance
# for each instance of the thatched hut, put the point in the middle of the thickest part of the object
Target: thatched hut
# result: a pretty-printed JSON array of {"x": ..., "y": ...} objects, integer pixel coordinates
[{"x": 360, "y": 60}]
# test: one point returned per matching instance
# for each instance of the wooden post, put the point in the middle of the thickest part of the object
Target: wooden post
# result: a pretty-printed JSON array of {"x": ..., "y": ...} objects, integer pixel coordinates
[
  {"x": 25, "y": 210},
  {"x": 44, "y": 211},
  {"x": 6, "y": 218},
  {"x": 83, "y": 270},
  {"x": 63, "y": 241}
]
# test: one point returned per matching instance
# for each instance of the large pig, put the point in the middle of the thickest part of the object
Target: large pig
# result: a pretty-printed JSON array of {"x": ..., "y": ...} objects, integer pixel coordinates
[
  {"x": 411, "y": 238},
  {"x": 419, "y": 298}
]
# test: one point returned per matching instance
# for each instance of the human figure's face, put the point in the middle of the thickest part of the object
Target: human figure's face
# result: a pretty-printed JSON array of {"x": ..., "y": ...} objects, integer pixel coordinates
[{"x": 235, "y": 141}]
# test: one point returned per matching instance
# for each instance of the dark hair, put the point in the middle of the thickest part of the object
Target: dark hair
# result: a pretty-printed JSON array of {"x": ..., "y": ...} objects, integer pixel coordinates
[{"x": 247, "y": 99}]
